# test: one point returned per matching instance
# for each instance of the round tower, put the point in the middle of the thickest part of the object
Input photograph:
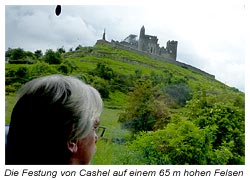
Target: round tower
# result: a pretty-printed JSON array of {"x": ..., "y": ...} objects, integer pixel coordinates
[
  {"x": 141, "y": 38},
  {"x": 103, "y": 36}
]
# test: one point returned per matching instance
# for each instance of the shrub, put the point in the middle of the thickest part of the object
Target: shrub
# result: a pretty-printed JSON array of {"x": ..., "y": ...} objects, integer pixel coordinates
[
  {"x": 103, "y": 71},
  {"x": 226, "y": 122},
  {"x": 101, "y": 85},
  {"x": 144, "y": 111},
  {"x": 17, "y": 54},
  {"x": 52, "y": 57},
  {"x": 41, "y": 69},
  {"x": 178, "y": 144},
  {"x": 180, "y": 93},
  {"x": 181, "y": 143},
  {"x": 64, "y": 68}
]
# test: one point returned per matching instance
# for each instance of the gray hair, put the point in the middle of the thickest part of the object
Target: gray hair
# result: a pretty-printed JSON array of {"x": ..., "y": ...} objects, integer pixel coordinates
[{"x": 83, "y": 101}]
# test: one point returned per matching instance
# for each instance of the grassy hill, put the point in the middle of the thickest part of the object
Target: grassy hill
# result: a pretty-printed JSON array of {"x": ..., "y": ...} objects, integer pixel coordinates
[{"x": 116, "y": 73}]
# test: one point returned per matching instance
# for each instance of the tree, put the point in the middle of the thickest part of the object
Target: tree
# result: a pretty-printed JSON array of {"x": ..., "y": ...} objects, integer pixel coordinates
[
  {"x": 64, "y": 68},
  {"x": 101, "y": 85},
  {"x": 8, "y": 52},
  {"x": 41, "y": 69},
  {"x": 17, "y": 54},
  {"x": 178, "y": 144},
  {"x": 145, "y": 110},
  {"x": 52, "y": 57},
  {"x": 225, "y": 122},
  {"x": 179, "y": 92},
  {"x": 103, "y": 71},
  {"x": 78, "y": 47},
  {"x": 61, "y": 50},
  {"x": 38, "y": 54}
]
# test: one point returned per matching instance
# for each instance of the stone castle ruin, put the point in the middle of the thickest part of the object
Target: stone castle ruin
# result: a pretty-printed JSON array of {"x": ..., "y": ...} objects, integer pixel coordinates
[{"x": 147, "y": 45}]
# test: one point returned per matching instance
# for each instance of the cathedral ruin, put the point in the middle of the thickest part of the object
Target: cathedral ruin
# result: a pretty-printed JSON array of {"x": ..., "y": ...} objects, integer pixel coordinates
[{"x": 149, "y": 44}]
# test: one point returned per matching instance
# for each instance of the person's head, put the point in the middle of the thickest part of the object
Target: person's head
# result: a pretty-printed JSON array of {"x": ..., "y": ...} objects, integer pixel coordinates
[{"x": 53, "y": 122}]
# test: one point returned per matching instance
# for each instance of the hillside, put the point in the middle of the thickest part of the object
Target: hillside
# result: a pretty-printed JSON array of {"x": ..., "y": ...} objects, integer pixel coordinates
[
  {"x": 145, "y": 99},
  {"x": 130, "y": 65}
]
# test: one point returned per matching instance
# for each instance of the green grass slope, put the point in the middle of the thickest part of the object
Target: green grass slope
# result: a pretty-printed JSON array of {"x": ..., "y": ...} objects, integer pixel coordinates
[{"x": 114, "y": 72}]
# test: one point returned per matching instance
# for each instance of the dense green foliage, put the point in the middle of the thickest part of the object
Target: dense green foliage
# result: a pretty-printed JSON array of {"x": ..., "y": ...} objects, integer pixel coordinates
[
  {"x": 146, "y": 110},
  {"x": 155, "y": 112},
  {"x": 209, "y": 135}
]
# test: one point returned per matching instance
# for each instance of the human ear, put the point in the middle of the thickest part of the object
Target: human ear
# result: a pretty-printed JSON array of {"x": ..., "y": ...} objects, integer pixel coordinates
[{"x": 72, "y": 146}]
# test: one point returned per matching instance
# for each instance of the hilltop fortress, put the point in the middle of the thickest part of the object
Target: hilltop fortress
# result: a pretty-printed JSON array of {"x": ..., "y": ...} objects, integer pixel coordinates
[{"x": 147, "y": 45}]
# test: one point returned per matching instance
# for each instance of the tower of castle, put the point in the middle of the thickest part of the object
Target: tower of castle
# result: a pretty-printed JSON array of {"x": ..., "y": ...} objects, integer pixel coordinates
[
  {"x": 172, "y": 48},
  {"x": 103, "y": 36},
  {"x": 141, "y": 39}
]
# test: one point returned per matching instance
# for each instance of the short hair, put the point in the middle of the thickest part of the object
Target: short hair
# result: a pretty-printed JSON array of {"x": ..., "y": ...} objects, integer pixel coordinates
[{"x": 51, "y": 111}]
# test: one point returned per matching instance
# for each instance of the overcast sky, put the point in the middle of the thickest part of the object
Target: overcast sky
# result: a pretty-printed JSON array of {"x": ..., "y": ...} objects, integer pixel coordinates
[{"x": 210, "y": 35}]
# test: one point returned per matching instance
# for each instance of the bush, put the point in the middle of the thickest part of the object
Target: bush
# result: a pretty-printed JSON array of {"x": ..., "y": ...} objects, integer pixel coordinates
[
  {"x": 101, "y": 85},
  {"x": 180, "y": 93},
  {"x": 178, "y": 144},
  {"x": 144, "y": 111},
  {"x": 225, "y": 122},
  {"x": 41, "y": 69},
  {"x": 38, "y": 54},
  {"x": 64, "y": 68},
  {"x": 181, "y": 143},
  {"x": 52, "y": 57},
  {"x": 17, "y": 54},
  {"x": 103, "y": 71}
]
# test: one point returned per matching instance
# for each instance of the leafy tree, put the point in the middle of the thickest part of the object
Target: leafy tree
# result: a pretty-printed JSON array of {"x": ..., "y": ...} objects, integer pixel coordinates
[
  {"x": 162, "y": 79},
  {"x": 64, "y": 68},
  {"x": 71, "y": 65},
  {"x": 227, "y": 124},
  {"x": 15, "y": 78},
  {"x": 122, "y": 82},
  {"x": 144, "y": 112},
  {"x": 178, "y": 79},
  {"x": 180, "y": 93},
  {"x": 103, "y": 71},
  {"x": 38, "y": 54},
  {"x": 178, "y": 144},
  {"x": 30, "y": 55},
  {"x": 8, "y": 52},
  {"x": 21, "y": 72},
  {"x": 138, "y": 74},
  {"x": 41, "y": 69},
  {"x": 101, "y": 85},
  {"x": 16, "y": 54},
  {"x": 61, "y": 50},
  {"x": 78, "y": 47},
  {"x": 52, "y": 57}
]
